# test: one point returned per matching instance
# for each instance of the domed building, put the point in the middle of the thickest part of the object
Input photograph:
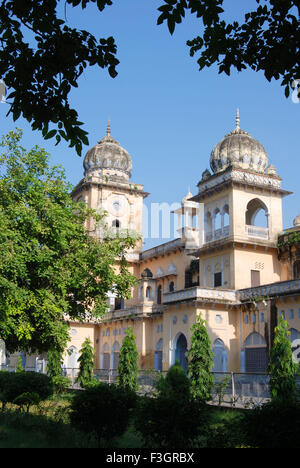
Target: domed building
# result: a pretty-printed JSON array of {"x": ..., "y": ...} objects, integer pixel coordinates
[
  {"x": 231, "y": 263},
  {"x": 108, "y": 158},
  {"x": 239, "y": 150}
]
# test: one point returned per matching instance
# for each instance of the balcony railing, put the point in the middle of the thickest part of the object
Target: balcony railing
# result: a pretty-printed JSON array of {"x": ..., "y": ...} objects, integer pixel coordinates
[
  {"x": 256, "y": 231},
  {"x": 217, "y": 234},
  {"x": 197, "y": 292}
]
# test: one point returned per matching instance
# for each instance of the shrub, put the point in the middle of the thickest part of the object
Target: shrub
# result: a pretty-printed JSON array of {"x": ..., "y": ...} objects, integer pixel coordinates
[
  {"x": 200, "y": 362},
  {"x": 13, "y": 385},
  {"x": 86, "y": 364},
  {"x": 128, "y": 366},
  {"x": 102, "y": 410},
  {"x": 282, "y": 368},
  {"x": 274, "y": 425},
  {"x": 171, "y": 419}
]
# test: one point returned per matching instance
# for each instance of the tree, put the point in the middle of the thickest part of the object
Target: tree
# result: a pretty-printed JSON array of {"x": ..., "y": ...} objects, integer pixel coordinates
[
  {"x": 281, "y": 367},
  {"x": 42, "y": 71},
  {"x": 103, "y": 410},
  {"x": 200, "y": 362},
  {"x": 51, "y": 270},
  {"x": 128, "y": 367},
  {"x": 267, "y": 40},
  {"x": 86, "y": 364}
]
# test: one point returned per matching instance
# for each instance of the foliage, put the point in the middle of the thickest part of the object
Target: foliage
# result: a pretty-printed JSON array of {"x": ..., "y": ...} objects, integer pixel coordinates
[
  {"x": 172, "y": 418},
  {"x": 86, "y": 364},
  {"x": 24, "y": 385},
  {"x": 220, "y": 386},
  {"x": 128, "y": 363},
  {"x": 42, "y": 71},
  {"x": 200, "y": 362},
  {"x": 54, "y": 362},
  {"x": 102, "y": 410},
  {"x": 19, "y": 367},
  {"x": 281, "y": 367},
  {"x": 27, "y": 399},
  {"x": 61, "y": 384},
  {"x": 51, "y": 268},
  {"x": 274, "y": 425},
  {"x": 175, "y": 385},
  {"x": 267, "y": 40}
]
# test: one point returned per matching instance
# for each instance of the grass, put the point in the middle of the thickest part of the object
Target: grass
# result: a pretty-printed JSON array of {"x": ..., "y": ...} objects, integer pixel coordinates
[{"x": 47, "y": 426}]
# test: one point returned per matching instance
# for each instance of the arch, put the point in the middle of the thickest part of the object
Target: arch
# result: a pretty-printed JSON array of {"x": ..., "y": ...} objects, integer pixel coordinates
[
  {"x": 72, "y": 359},
  {"x": 116, "y": 224},
  {"x": 180, "y": 350},
  {"x": 225, "y": 214},
  {"x": 159, "y": 273},
  {"x": 158, "y": 355},
  {"x": 217, "y": 219},
  {"x": 257, "y": 213},
  {"x": 220, "y": 356},
  {"x": 254, "y": 355},
  {"x": 147, "y": 273},
  {"x": 171, "y": 286},
  {"x": 208, "y": 222},
  {"x": 105, "y": 357},
  {"x": 149, "y": 293},
  {"x": 115, "y": 355},
  {"x": 159, "y": 294}
]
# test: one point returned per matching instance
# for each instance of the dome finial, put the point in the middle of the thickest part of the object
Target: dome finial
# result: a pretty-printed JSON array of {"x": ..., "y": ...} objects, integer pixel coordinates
[
  {"x": 108, "y": 128},
  {"x": 238, "y": 119}
]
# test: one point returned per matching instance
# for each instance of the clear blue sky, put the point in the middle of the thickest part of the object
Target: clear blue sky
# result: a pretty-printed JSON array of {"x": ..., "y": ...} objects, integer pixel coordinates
[{"x": 166, "y": 113}]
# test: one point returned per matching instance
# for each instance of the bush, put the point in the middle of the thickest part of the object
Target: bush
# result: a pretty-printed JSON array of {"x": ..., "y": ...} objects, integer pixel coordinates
[
  {"x": 102, "y": 410},
  {"x": 173, "y": 418},
  {"x": 274, "y": 425},
  {"x": 13, "y": 385}
]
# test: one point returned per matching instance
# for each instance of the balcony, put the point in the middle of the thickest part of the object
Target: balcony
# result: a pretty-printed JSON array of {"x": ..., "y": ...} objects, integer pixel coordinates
[
  {"x": 202, "y": 294},
  {"x": 257, "y": 232},
  {"x": 217, "y": 234}
]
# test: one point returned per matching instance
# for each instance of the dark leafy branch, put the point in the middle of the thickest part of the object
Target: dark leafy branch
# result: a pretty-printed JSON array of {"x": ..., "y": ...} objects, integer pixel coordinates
[
  {"x": 267, "y": 40},
  {"x": 41, "y": 75}
]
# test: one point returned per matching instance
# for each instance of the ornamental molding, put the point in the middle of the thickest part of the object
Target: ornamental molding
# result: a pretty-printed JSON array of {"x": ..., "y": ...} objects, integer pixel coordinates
[{"x": 242, "y": 177}]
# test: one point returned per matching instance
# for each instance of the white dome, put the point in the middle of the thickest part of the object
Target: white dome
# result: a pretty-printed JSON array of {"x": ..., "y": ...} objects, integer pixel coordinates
[
  {"x": 239, "y": 149},
  {"x": 108, "y": 156}
]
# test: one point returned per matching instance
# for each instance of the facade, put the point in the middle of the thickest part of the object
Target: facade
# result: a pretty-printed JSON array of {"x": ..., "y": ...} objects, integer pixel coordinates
[{"x": 231, "y": 263}]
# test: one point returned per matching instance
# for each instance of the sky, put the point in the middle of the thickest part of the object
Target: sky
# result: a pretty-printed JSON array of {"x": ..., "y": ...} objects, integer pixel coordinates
[{"x": 165, "y": 112}]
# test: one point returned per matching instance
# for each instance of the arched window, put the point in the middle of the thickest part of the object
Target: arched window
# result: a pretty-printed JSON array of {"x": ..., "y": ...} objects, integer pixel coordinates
[
  {"x": 158, "y": 355},
  {"x": 257, "y": 213},
  {"x": 254, "y": 355},
  {"x": 149, "y": 293},
  {"x": 105, "y": 357},
  {"x": 72, "y": 360},
  {"x": 225, "y": 213},
  {"x": 220, "y": 356},
  {"x": 217, "y": 219},
  {"x": 159, "y": 294},
  {"x": 116, "y": 224},
  {"x": 115, "y": 355},
  {"x": 172, "y": 286},
  {"x": 208, "y": 227}
]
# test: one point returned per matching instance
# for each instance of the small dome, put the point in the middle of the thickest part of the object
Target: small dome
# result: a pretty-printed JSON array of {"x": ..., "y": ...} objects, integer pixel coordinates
[
  {"x": 297, "y": 221},
  {"x": 239, "y": 149},
  {"x": 109, "y": 157}
]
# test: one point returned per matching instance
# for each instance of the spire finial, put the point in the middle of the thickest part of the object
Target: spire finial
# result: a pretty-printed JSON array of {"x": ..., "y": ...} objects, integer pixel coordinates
[
  {"x": 108, "y": 128},
  {"x": 238, "y": 118}
]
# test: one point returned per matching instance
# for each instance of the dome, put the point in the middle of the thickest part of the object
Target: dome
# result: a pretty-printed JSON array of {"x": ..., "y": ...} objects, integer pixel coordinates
[
  {"x": 240, "y": 150},
  {"x": 297, "y": 221},
  {"x": 109, "y": 157}
]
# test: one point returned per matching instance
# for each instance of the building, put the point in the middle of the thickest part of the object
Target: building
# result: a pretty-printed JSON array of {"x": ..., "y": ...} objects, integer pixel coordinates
[{"x": 232, "y": 263}]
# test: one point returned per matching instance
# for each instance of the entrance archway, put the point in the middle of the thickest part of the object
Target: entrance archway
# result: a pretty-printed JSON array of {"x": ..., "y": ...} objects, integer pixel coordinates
[{"x": 181, "y": 350}]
